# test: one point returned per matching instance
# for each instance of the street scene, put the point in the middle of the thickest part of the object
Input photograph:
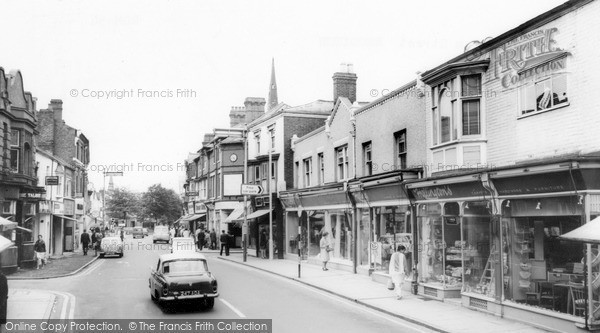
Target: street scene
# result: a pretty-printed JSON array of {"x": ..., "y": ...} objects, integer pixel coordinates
[{"x": 275, "y": 166}]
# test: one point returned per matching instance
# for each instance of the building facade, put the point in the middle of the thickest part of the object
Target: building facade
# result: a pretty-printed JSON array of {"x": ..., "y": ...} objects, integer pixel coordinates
[{"x": 512, "y": 164}]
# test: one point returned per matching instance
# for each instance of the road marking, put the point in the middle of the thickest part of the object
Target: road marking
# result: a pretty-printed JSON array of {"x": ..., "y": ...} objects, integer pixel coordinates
[
  {"x": 91, "y": 268},
  {"x": 69, "y": 301},
  {"x": 335, "y": 298},
  {"x": 238, "y": 312}
]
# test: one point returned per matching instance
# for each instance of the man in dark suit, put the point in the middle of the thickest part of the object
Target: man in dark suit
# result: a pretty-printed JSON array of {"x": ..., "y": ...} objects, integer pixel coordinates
[
  {"x": 85, "y": 241},
  {"x": 224, "y": 238}
]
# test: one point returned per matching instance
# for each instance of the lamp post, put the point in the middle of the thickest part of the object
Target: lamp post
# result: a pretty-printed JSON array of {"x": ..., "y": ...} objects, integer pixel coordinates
[
  {"x": 270, "y": 205},
  {"x": 245, "y": 225}
]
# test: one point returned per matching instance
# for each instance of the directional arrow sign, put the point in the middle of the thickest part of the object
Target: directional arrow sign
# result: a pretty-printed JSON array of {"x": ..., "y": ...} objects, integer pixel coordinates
[{"x": 249, "y": 189}]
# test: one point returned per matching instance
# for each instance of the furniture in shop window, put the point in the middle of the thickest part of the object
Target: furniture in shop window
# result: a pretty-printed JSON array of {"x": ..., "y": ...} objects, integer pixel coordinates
[
  {"x": 532, "y": 298},
  {"x": 577, "y": 295},
  {"x": 548, "y": 297}
]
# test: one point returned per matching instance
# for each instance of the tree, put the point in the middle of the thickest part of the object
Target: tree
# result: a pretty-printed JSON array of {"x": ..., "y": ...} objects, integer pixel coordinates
[
  {"x": 122, "y": 200},
  {"x": 161, "y": 204}
]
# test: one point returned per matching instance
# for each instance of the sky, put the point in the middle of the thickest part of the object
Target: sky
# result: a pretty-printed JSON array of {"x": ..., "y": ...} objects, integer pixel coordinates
[{"x": 144, "y": 80}]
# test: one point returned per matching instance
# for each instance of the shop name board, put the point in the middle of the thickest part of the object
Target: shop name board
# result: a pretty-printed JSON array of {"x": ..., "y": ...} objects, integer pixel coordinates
[
  {"x": 52, "y": 180},
  {"x": 32, "y": 195},
  {"x": 199, "y": 207},
  {"x": 506, "y": 61},
  {"x": 458, "y": 190}
]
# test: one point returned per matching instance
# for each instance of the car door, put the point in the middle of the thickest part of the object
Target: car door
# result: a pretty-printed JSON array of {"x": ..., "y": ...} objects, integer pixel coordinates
[{"x": 154, "y": 278}]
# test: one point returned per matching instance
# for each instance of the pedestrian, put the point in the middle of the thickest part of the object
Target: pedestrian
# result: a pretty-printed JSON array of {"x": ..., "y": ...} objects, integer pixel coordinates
[
  {"x": 263, "y": 243},
  {"x": 3, "y": 300},
  {"x": 213, "y": 240},
  {"x": 224, "y": 243},
  {"x": 98, "y": 242},
  {"x": 185, "y": 233},
  {"x": 325, "y": 246},
  {"x": 398, "y": 269},
  {"x": 85, "y": 241},
  {"x": 93, "y": 232},
  {"x": 122, "y": 234},
  {"x": 40, "y": 251},
  {"x": 200, "y": 239},
  {"x": 206, "y": 239}
]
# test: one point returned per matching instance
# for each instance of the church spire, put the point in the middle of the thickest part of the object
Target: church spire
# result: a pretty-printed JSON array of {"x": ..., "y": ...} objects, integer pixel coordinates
[{"x": 272, "y": 101}]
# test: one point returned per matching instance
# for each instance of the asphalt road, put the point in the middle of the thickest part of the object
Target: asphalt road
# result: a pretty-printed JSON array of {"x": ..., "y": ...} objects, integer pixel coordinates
[{"x": 117, "y": 288}]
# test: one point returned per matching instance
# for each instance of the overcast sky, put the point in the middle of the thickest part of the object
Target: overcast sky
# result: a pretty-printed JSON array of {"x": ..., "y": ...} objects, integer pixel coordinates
[{"x": 217, "y": 53}]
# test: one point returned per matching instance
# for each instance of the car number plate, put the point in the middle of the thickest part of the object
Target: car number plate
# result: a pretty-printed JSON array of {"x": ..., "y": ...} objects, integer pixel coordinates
[{"x": 190, "y": 292}]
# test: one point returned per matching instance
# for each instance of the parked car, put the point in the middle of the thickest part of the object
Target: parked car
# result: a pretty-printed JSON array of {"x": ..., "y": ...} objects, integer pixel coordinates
[
  {"x": 145, "y": 231},
  {"x": 111, "y": 246},
  {"x": 138, "y": 232},
  {"x": 128, "y": 230},
  {"x": 183, "y": 276},
  {"x": 161, "y": 234},
  {"x": 179, "y": 244}
]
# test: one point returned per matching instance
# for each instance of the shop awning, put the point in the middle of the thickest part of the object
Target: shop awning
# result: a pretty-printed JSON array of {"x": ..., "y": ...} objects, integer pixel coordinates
[
  {"x": 65, "y": 217},
  {"x": 192, "y": 217},
  {"x": 5, "y": 243},
  {"x": 236, "y": 214},
  {"x": 6, "y": 224},
  {"x": 587, "y": 233},
  {"x": 258, "y": 213}
]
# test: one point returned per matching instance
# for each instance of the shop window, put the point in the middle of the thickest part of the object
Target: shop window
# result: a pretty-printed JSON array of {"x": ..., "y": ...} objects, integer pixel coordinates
[
  {"x": 545, "y": 94},
  {"x": 341, "y": 234},
  {"x": 539, "y": 262},
  {"x": 479, "y": 255},
  {"x": 391, "y": 230},
  {"x": 316, "y": 222},
  {"x": 365, "y": 236}
]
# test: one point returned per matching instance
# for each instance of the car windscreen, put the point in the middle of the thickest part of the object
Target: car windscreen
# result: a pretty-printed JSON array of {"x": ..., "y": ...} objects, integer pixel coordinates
[{"x": 184, "y": 266}]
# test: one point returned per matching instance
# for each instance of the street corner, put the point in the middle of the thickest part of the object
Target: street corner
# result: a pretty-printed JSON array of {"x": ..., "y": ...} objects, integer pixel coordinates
[
  {"x": 32, "y": 303},
  {"x": 54, "y": 268}
]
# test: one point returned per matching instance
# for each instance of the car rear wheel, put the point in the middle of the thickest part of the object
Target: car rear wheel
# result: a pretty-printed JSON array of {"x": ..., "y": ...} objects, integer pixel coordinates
[
  {"x": 209, "y": 303},
  {"x": 101, "y": 255},
  {"x": 120, "y": 255}
]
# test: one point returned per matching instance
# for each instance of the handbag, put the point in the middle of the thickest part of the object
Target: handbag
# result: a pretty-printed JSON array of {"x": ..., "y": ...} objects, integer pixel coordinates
[
  {"x": 328, "y": 249},
  {"x": 390, "y": 284}
]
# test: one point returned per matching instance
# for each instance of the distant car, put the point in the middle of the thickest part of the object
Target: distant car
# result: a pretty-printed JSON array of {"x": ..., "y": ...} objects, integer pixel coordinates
[
  {"x": 128, "y": 230},
  {"x": 183, "y": 276},
  {"x": 145, "y": 231},
  {"x": 179, "y": 244},
  {"x": 138, "y": 232},
  {"x": 161, "y": 234},
  {"x": 111, "y": 246}
]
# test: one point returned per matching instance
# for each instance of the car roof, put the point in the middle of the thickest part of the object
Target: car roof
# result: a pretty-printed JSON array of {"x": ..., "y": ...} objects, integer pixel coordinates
[{"x": 182, "y": 255}]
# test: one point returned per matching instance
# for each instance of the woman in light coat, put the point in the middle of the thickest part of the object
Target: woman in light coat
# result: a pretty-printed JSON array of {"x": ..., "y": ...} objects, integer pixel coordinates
[
  {"x": 325, "y": 246},
  {"x": 398, "y": 269}
]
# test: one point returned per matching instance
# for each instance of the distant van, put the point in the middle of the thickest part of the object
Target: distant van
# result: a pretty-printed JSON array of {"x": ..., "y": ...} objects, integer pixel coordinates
[
  {"x": 138, "y": 232},
  {"x": 161, "y": 233}
]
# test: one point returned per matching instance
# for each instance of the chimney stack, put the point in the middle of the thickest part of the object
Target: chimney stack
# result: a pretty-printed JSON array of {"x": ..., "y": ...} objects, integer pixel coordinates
[
  {"x": 56, "y": 107},
  {"x": 344, "y": 83}
]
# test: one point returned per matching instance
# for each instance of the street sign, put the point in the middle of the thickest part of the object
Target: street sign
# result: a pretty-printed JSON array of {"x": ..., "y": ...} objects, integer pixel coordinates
[
  {"x": 113, "y": 173},
  {"x": 191, "y": 194},
  {"x": 52, "y": 180},
  {"x": 249, "y": 189}
]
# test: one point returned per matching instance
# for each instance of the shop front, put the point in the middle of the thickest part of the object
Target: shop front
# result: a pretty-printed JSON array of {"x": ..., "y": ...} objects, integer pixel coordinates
[
  {"x": 384, "y": 222},
  {"x": 312, "y": 212},
  {"x": 454, "y": 233},
  {"x": 554, "y": 280}
]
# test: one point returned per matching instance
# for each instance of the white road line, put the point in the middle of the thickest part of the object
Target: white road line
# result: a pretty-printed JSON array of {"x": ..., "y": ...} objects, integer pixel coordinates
[
  {"x": 337, "y": 299},
  {"x": 91, "y": 268},
  {"x": 238, "y": 312},
  {"x": 72, "y": 301}
]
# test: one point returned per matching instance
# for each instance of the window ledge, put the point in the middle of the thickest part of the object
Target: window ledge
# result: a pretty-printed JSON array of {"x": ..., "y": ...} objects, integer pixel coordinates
[
  {"x": 457, "y": 142},
  {"x": 544, "y": 111}
]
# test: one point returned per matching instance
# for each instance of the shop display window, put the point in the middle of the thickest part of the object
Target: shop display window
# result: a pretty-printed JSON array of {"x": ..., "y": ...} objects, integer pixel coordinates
[
  {"x": 391, "y": 229},
  {"x": 364, "y": 235},
  {"x": 316, "y": 222},
  {"x": 544, "y": 271},
  {"x": 341, "y": 234},
  {"x": 479, "y": 255}
]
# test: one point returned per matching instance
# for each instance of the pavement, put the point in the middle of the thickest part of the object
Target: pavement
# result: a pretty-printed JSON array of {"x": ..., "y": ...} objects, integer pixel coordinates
[{"x": 435, "y": 315}]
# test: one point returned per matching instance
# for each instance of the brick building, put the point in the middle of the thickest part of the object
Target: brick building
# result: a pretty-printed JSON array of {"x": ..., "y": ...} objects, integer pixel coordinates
[
  {"x": 68, "y": 150},
  {"x": 19, "y": 193}
]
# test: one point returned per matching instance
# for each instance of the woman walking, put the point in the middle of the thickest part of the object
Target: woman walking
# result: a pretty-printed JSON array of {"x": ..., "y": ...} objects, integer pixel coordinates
[{"x": 325, "y": 246}]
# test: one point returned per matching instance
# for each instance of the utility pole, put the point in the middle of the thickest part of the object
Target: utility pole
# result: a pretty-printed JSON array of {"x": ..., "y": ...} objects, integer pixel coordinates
[
  {"x": 245, "y": 225},
  {"x": 270, "y": 205}
]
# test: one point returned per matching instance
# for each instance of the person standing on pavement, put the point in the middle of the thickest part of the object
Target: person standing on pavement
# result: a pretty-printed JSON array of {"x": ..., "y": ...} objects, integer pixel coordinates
[
  {"x": 264, "y": 243},
  {"x": 3, "y": 299},
  {"x": 85, "y": 241},
  {"x": 200, "y": 239},
  {"x": 98, "y": 241},
  {"x": 325, "y": 246},
  {"x": 40, "y": 251},
  {"x": 213, "y": 240},
  {"x": 224, "y": 243},
  {"x": 398, "y": 269}
]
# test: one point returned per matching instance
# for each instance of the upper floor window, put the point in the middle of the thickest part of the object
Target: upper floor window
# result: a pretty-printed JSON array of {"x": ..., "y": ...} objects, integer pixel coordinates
[
  {"x": 544, "y": 94},
  {"x": 341, "y": 154},
  {"x": 257, "y": 141},
  {"x": 272, "y": 134},
  {"x": 14, "y": 159},
  {"x": 400, "y": 149},
  {"x": 471, "y": 96},
  {"x": 273, "y": 170},
  {"x": 257, "y": 173},
  {"x": 307, "y": 171},
  {"x": 297, "y": 173},
  {"x": 368, "y": 158},
  {"x": 321, "y": 162}
]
